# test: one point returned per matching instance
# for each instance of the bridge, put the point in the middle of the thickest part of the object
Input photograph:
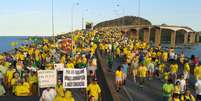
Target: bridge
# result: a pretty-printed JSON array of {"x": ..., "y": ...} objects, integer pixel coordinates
[{"x": 161, "y": 34}]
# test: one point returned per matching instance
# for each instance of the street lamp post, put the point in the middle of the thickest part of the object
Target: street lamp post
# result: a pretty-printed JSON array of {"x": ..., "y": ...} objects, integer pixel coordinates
[
  {"x": 53, "y": 34},
  {"x": 72, "y": 14},
  {"x": 83, "y": 18}
]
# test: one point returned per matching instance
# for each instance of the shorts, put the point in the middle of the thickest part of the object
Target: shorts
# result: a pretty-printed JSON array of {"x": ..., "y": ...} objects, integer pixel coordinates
[
  {"x": 186, "y": 75},
  {"x": 118, "y": 79},
  {"x": 151, "y": 70},
  {"x": 124, "y": 76}
]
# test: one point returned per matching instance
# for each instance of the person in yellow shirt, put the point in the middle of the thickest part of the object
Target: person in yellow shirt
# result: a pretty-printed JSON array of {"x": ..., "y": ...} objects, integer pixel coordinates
[
  {"x": 174, "y": 70},
  {"x": 69, "y": 96},
  {"x": 166, "y": 76},
  {"x": 26, "y": 83},
  {"x": 165, "y": 56},
  {"x": 59, "y": 89},
  {"x": 93, "y": 89},
  {"x": 187, "y": 96},
  {"x": 174, "y": 97},
  {"x": 186, "y": 70},
  {"x": 9, "y": 75},
  {"x": 118, "y": 51},
  {"x": 70, "y": 65},
  {"x": 60, "y": 92},
  {"x": 119, "y": 78},
  {"x": 177, "y": 88},
  {"x": 14, "y": 81},
  {"x": 21, "y": 90},
  {"x": 32, "y": 80},
  {"x": 197, "y": 72},
  {"x": 142, "y": 72}
]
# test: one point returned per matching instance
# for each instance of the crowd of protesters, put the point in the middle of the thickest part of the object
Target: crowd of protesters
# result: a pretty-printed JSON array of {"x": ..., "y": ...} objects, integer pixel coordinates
[
  {"x": 143, "y": 62},
  {"x": 18, "y": 70}
]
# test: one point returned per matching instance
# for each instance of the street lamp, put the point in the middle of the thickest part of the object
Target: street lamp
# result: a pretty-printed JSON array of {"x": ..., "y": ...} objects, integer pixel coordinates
[
  {"x": 53, "y": 36},
  {"x": 72, "y": 13},
  {"x": 83, "y": 18}
]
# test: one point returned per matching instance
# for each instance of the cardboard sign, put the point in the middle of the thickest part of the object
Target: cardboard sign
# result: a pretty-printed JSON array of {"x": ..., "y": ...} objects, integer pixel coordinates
[
  {"x": 75, "y": 78},
  {"x": 47, "y": 78}
]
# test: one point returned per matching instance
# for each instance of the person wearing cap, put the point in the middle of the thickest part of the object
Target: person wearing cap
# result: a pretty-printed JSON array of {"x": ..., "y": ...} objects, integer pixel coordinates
[{"x": 93, "y": 89}]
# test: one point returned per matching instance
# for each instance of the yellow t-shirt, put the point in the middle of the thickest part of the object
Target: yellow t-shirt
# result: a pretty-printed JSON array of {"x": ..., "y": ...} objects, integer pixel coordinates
[
  {"x": 94, "y": 90},
  {"x": 177, "y": 89},
  {"x": 119, "y": 74},
  {"x": 60, "y": 90},
  {"x": 118, "y": 51},
  {"x": 22, "y": 57},
  {"x": 26, "y": 84},
  {"x": 174, "y": 68},
  {"x": 9, "y": 75},
  {"x": 166, "y": 75},
  {"x": 21, "y": 90},
  {"x": 186, "y": 68},
  {"x": 70, "y": 65},
  {"x": 197, "y": 72},
  {"x": 142, "y": 71},
  {"x": 161, "y": 68},
  {"x": 69, "y": 96}
]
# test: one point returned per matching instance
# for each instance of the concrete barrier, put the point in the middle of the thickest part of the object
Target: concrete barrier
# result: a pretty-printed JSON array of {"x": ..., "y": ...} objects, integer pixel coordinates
[{"x": 109, "y": 91}]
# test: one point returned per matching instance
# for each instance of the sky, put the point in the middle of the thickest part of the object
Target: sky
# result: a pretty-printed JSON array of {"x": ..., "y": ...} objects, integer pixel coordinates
[{"x": 33, "y": 17}]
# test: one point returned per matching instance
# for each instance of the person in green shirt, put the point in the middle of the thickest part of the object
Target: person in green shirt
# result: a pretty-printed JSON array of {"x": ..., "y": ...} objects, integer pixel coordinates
[{"x": 167, "y": 89}]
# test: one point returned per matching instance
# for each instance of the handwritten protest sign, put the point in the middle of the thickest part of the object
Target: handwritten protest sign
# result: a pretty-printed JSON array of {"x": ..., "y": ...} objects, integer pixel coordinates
[
  {"x": 75, "y": 78},
  {"x": 47, "y": 78}
]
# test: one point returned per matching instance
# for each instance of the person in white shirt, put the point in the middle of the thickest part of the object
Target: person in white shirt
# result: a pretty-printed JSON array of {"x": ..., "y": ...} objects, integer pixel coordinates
[
  {"x": 182, "y": 84},
  {"x": 48, "y": 94},
  {"x": 198, "y": 90}
]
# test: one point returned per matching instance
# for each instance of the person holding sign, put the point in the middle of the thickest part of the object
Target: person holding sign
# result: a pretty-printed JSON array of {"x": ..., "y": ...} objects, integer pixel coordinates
[{"x": 93, "y": 89}]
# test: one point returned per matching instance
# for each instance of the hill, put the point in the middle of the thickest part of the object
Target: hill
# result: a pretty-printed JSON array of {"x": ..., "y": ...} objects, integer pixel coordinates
[{"x": 122, "y": 21}]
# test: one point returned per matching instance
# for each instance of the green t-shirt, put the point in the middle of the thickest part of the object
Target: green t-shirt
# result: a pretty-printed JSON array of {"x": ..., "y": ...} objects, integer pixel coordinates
[{"x": 167, "y": 89}]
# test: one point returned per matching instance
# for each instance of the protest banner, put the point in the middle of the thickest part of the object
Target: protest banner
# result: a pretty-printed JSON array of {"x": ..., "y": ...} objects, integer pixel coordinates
[
  {"x": 75, "y": 78},
  {"x": 47, "y": 78},
  {"x": 59, "y": 67}
]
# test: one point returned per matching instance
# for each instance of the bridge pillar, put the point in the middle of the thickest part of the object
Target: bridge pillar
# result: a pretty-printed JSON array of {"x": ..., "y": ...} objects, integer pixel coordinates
[
  {"x": 192, "y": 37},
  {"x": 146, "y": 35},
  {"x": 173, "y": 38},
  {"x": 157, "y": 37},
  {"x": 197, "y": 37},
  {"x": 137, "y": 33},
  {"x": 185, "y": 38}
]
